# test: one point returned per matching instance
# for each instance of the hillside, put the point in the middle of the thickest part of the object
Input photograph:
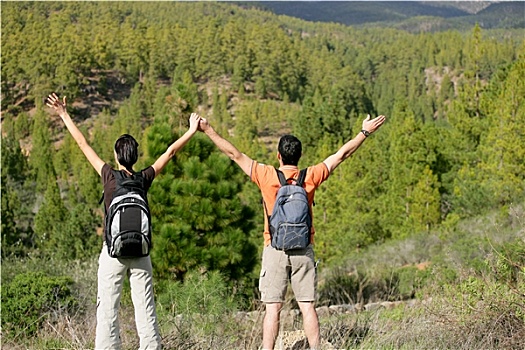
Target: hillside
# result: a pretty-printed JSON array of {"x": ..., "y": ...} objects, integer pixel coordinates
[
  {"x": 404, "y": 14},
  {"x": 419, "y": 232},
  {"x": 256, "y": 76}
]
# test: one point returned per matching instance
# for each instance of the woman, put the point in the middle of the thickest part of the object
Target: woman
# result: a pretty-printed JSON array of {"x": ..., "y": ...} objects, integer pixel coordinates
[{"x": 111, "y": 271}]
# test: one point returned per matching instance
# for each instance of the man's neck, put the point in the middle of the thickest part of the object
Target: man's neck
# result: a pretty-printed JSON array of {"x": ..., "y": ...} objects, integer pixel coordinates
[{"x": 288, "y": 167}]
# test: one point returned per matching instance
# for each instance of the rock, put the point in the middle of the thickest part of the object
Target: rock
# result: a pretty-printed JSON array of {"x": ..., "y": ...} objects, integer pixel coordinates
[
  {"x": 324, "y": 311},
  {"x": 372, "y": 306},
  {"x": 296, "y": 340}
]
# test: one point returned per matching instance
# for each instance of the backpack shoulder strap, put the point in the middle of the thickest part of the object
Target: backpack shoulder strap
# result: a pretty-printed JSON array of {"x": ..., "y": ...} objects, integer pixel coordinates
[
  {"x": 117, "y": 174},
  {"x": 137, "y": 174},
  {"x": 301, "y": 178},
  {"x": 137, "y": 177},
  {"x": 282, "y": 178},
  {"x": 119, "y": 177},
  {"x": 123, "y": 183},
  {"x": 299, "y": 182}
]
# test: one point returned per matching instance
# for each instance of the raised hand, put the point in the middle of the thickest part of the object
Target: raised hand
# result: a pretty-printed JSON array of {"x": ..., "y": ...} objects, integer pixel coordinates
[
  {"x": 60, "y": 106},
  {"x": 54, "y": 102},
  {"x": 372, "y": 125},
  {"x": 204, "y": 125},
  {"x": 194, "y": 121}
]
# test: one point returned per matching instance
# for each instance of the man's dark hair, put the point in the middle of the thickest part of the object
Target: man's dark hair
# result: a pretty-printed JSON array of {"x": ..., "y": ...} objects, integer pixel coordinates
[
  {"x": 290, "y": 149},
  {"x": 127, "y": 151}
]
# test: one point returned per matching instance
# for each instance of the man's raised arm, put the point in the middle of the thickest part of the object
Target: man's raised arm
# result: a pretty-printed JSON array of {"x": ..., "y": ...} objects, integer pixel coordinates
[
  {"x": 369, "y": 126},
  {"x": 226, "y": 147},
  {"x": 60, "y": 106}
]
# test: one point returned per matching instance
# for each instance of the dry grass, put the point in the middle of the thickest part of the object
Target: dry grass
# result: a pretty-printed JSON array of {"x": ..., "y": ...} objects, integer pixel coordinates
[
  {"x": 481, "y": 309},
  {"x": 435, "y": 324}
]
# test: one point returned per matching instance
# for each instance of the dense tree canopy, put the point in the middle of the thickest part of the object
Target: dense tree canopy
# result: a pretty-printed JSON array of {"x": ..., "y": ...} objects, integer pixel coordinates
[{"x": 454, "y": 101}]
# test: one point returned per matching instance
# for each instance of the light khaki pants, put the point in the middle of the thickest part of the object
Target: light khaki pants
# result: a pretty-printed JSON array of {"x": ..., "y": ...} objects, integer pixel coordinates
[{"x": 111, "y": 274}]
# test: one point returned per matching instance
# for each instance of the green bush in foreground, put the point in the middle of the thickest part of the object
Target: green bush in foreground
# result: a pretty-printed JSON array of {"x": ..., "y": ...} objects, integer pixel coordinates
[
  {"x": 199, "y": 294},
  {"x": 32, "y": 298},
  {"x": 197, "y": 314}
]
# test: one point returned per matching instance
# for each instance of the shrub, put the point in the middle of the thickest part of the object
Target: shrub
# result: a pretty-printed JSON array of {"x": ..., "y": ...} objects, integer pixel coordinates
[
  {"x": 347, "y": 333},
  {"x": 198, "y": 294},
  {"x": 410, "y": 279},
  {"x": 32, "y": 298},
  {"x": 507, "y": 265},
  {"x": 342, "y": 287},
  {"x": 197, "y": 313}
]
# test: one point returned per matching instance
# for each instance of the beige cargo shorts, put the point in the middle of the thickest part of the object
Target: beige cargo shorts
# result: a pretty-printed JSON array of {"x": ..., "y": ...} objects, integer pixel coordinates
[{"x": 280, "y": 267}]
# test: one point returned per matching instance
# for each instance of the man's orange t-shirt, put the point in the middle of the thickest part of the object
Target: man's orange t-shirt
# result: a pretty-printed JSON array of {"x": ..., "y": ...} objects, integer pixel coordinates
[{"x": 266, "y": 178}]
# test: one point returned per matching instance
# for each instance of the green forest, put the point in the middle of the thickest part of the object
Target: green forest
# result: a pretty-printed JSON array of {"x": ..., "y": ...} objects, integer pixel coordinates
[{"x": 441, "y": 183}]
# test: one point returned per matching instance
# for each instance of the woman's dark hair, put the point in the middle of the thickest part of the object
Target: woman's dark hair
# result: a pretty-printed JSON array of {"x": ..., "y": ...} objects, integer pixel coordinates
[
  {"x": 126, "y": 148},
  {"x": 290, "y": 149}
]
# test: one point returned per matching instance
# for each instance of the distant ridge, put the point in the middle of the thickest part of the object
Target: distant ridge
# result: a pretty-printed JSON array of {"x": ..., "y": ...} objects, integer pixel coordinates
[{"x": 455, "y": 14}]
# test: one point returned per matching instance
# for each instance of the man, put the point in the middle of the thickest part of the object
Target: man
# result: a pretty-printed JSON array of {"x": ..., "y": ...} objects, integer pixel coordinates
[
  {"x": 296, "y": 266},
  {"x": 112, "y": 271}
]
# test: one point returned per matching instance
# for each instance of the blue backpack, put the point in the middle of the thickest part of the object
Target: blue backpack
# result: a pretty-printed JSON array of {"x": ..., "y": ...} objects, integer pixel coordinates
[{"x": 291, "y": 220}]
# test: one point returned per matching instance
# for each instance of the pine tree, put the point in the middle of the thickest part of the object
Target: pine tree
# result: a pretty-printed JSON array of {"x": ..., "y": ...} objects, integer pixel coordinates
[
  {"x": 50, "y": 219},
  {"x": 18, "y": 195},
  {"x": 198, "y": 219},
  {"x": 425, "y": 202},
  {"x": 40, "y": 158},
  {"x": 349, "y": 205},
  {"x": 129, "y": 117},
  {"x": 412, "y": 150},
  {"x": 503, "y": 162},
  {"x": 77, "y": 238},
  {"x": 10, "y": 232}
]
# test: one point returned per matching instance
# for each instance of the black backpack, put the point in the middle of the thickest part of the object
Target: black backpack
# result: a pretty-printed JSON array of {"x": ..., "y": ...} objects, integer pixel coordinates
[
  {"x": 128, "y": 219},
  {"x": 291, "y": 220}
]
